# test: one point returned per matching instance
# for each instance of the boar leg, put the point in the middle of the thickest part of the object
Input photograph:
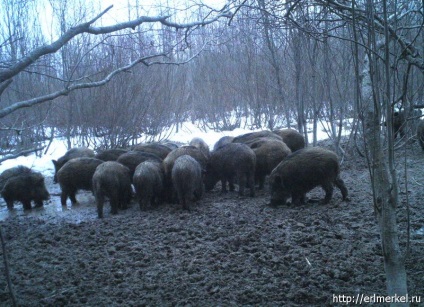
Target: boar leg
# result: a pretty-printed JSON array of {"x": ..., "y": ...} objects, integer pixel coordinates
[
  {"x": 341, "y": 185},
  {"x": 298, "y": 198},
  {"x": 38, "y": 203},
  {"x": 251, "y": 184},
  {"x": 231, "y": 184},
  {"x": 241, "y": 183},
  {"x": 72, "y": 197},
  {"x": 100, "y": 201},
  {"x": 27, "y": 204},
  {"x": 9, "y": 204},
  {"x": 63, "y": 197},
  {"x": 223, "y": 185},
  {"x": 328, "y": 188}
]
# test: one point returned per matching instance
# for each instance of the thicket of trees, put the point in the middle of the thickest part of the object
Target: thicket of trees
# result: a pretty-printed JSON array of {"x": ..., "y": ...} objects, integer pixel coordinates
[{"x": 278, "y": 63}]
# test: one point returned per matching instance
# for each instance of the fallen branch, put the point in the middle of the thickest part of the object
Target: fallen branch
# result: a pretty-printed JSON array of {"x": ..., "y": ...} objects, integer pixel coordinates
[{"x": 21, "y": 153}]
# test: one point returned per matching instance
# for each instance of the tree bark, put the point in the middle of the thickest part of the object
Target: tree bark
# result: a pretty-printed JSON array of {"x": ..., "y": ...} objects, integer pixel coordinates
[{"x": 382, "y": 172}]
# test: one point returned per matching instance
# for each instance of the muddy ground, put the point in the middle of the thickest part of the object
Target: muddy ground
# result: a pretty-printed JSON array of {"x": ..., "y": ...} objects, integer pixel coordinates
[{"x": 227, "y": 251}]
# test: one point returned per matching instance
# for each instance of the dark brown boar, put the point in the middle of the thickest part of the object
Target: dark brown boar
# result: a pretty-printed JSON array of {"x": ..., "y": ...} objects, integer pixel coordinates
[
  {"x": 171, "y": 145},
  {"x": 292, "y": 138},
  {"x": 22, "y": 184},
  {"x": 112, "y": 180},
  {"x": 133, "y": 158},
  {"x": 234, "y": 161},
  {"x": 157, "y": 149},
  {"x": 304, "y": 170},
  {"x": 72, "y": 153},
  {"x": 13, "y": 172},
  {"x": 76, "y": 174},
  {"x": 222, "y": 141},
  {"x": 187, "y": 180},
  {"x": 192, "y": 151},
  {"x": 252, "y": 136},
  {"x": 405, "y": 121},
  {"x": 201, "y": 144},
  {"x": 399, "y": 123},
  {"x": 269, "y": 153},
  {"x": 148, "y": 182},
  {"x": 168, "y": 164},
  {"x": 110, "y": 154}
]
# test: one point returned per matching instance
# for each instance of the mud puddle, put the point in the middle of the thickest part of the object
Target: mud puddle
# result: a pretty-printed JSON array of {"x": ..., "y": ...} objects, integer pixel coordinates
[{"x": 53, "y": 211}]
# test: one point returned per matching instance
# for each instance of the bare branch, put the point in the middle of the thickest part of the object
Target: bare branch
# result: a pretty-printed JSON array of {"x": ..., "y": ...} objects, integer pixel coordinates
[
  {"x": 87, "y": 27},
  {"x": 21, "y": 153},
  {"x": 38, "y": 100},
  {"x": 409, "y": 52},
  {"x": 4, "y": 85}
]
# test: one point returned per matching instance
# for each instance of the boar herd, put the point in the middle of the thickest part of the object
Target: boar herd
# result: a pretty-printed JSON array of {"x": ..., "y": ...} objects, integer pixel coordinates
[{"x": 159, "y": 172}]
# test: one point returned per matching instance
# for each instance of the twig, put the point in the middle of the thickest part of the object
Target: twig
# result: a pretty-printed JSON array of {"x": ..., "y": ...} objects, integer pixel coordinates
[
  {"x": 307, "y": 261},
  {"x": 6, "y": 269},
  {"x": 415, "y": 180},
  {"x": 50, "y": 141}
]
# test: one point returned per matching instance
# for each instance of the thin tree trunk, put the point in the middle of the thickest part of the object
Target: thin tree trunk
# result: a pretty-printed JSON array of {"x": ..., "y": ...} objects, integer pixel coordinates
[
  {"x": 385, "y": 197},
  {"x": 274, "y": 61},
  {"x": 314, "y": 93},
  {"x": 383, "y": 174},
  {"x": 301, "y": 122}
]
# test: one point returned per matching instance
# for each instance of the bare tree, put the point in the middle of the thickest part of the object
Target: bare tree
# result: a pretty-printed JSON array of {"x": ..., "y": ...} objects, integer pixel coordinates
[
  {"x": 382, "y": 171},
  {"x": 77, "y": 67},
  {"x": 382, "y": 37}
]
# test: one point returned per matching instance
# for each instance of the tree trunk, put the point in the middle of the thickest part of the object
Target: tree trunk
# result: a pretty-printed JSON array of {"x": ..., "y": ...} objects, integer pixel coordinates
[
  {"x": 383, "y": 176},
  {"x": 385, "y": 194},
  {"x": 274, "y": 60}
]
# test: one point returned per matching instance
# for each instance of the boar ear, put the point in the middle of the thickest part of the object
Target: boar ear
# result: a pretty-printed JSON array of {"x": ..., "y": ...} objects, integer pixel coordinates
[{"x": 54, "y": 162}]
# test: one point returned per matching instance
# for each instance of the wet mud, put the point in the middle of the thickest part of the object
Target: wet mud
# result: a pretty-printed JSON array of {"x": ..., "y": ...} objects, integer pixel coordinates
[{"x": 227, "y": 251}]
